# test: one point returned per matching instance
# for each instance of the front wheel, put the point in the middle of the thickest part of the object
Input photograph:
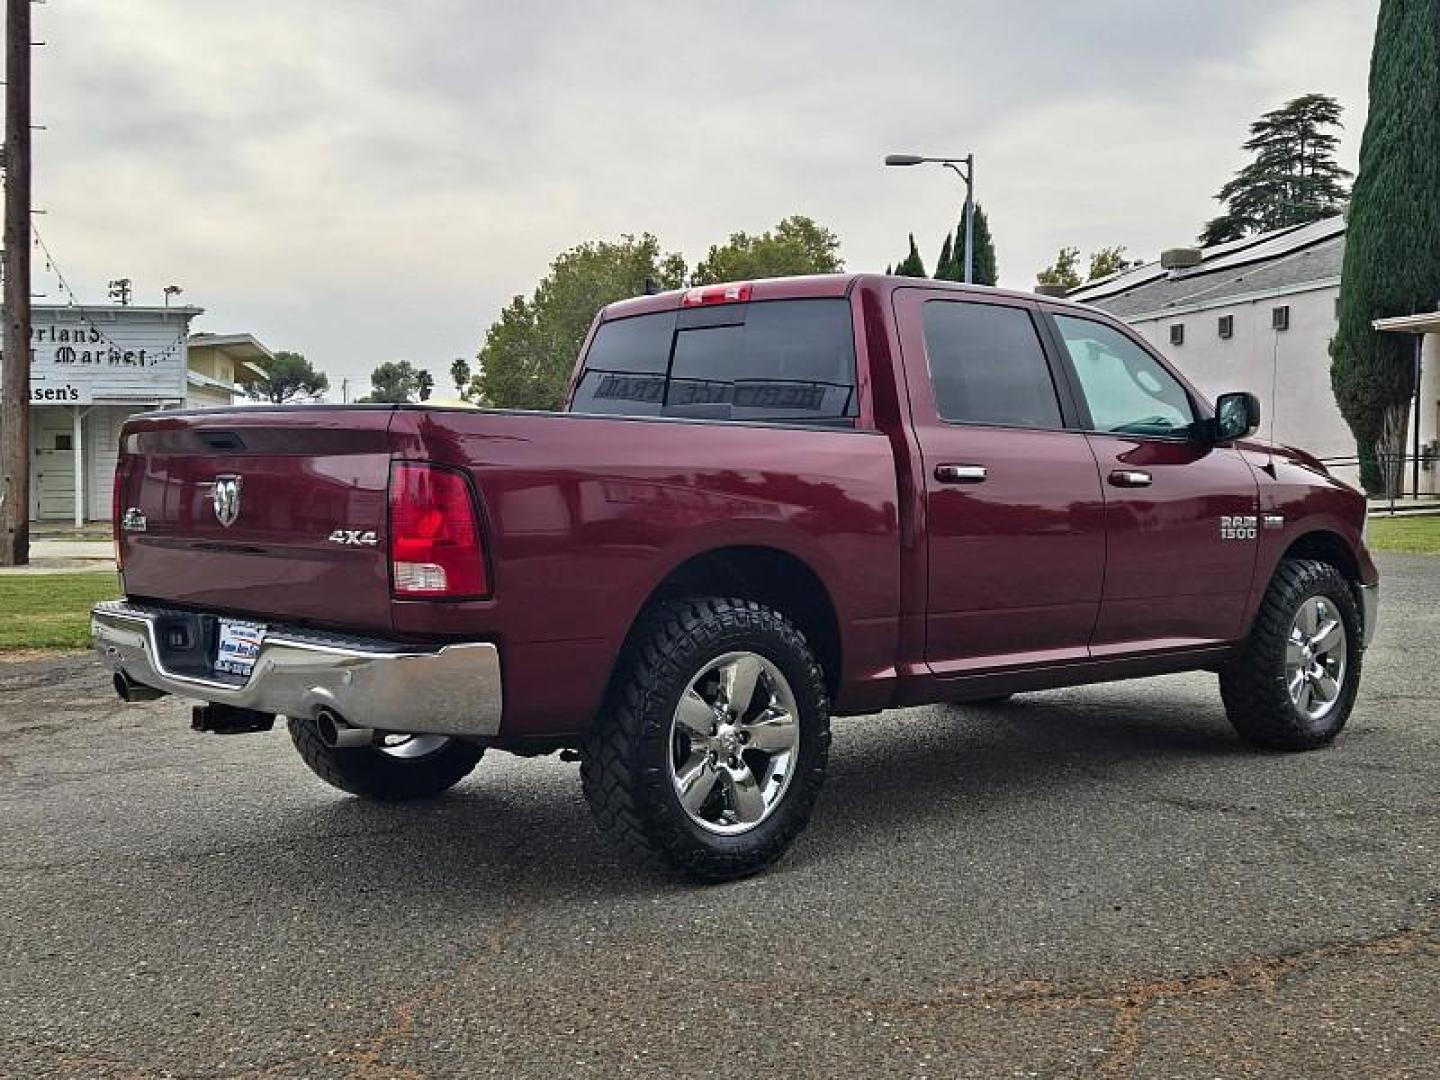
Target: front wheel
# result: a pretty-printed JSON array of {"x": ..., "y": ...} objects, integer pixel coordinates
[
  {"x": 395, "y": 768},
  {"x": 712, "y": 748},
  {"x": 1295, "y": 684}
]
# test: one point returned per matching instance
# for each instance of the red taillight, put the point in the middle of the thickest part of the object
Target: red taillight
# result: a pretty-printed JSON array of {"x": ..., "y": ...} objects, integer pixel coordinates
[
  {"x": 435, "y": 545},
  {"x": 716, "y": 294}
]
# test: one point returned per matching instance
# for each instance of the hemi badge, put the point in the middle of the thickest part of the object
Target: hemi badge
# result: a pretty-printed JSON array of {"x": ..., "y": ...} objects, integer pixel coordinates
[{"x": 1274, "y": 521}]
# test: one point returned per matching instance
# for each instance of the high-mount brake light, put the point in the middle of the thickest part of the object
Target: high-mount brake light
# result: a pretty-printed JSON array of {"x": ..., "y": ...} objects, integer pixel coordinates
[
  {"x": 436, "y": 547},
  {"x": 717, "y": 294}
]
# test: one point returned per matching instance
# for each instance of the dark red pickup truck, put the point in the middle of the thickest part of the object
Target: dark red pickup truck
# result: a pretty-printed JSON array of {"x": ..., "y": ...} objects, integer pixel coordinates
[{"x": 768, "y": 503}]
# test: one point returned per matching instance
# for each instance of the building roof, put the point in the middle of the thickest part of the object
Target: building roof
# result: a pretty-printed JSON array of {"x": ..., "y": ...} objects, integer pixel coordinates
[
  {"x": 244, "y": 349},
  {"x": 1286, "y": 260}
]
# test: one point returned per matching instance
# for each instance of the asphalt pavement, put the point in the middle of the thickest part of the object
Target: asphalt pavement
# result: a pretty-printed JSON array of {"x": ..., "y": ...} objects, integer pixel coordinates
[{"x": 1093, "y": 882}]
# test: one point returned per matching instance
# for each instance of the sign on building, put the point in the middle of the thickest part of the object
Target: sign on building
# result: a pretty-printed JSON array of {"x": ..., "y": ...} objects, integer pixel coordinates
[{"x": 107, "y": 355}]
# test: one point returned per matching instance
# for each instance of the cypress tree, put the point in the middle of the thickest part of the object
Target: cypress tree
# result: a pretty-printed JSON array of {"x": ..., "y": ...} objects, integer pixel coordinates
[
  {"x": 912, "y": 265},
  {"x": 1392, "y": 258},
  {"x": 986, "y": 269},
  {"x": 945, "y": 267}
]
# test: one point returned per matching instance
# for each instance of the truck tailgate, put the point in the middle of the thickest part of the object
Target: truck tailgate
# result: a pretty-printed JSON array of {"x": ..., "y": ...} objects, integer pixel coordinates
[{"x": 259, "y": 512}]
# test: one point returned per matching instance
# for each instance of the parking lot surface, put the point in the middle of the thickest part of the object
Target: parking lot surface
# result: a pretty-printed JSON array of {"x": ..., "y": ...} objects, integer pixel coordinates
[{"x": 1092, "y": 882}]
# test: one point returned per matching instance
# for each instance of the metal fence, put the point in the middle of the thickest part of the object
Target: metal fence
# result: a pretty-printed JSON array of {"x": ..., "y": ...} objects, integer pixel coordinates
[{"x": 1405, "y": 474}]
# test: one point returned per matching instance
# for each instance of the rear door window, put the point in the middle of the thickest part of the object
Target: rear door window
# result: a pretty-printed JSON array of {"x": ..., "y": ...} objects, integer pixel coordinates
[
  {"x": 778, "y": 360},
  {"x": 988, "y": 367}
]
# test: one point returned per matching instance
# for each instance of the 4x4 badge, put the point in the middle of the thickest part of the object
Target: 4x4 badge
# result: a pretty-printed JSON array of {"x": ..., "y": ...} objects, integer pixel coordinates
[{"x": 354, "y": 537}]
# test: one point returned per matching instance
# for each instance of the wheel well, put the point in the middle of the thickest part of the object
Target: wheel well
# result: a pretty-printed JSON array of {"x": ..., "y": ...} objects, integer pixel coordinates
[
  {"x": 1326, "y": 547},
  {"x": 770, "y": 577}
]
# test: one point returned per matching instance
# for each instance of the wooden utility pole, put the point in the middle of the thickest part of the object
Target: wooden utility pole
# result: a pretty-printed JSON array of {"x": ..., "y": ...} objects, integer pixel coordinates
[{"x": 15, "y": 355}]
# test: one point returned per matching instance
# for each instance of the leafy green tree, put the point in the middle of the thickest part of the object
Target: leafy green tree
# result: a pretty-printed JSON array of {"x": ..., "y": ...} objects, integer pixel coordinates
[
  {"x": 460, "y": 375},
  {"x": 529, "y": 352},
  {"x": 1392, "y": 258},
  {"x": 292, "y": 379},
  {"x": 912, "y": 265},
  {"x": 797, "y": 245},
  {"x": 1065, "y": 270},
  {"x": 1294, "y": 177},
  {"x": 1109, "y": 260},
  {"x": 397, "y": 382}
]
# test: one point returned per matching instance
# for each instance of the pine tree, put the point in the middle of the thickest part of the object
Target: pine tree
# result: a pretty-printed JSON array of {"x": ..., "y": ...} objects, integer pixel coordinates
[
  {"x": 912, "y": 265},
  {"x": 1392, "y": 259},
  {"x": 1294, "y": 178}
]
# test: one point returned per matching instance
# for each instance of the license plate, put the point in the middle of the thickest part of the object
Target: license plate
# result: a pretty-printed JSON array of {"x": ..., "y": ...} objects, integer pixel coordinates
[{"x": 239, "y": 646}]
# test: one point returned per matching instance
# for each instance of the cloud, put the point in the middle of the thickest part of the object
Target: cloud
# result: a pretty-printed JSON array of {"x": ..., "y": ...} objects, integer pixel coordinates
[{"x": 365, "y": 181}]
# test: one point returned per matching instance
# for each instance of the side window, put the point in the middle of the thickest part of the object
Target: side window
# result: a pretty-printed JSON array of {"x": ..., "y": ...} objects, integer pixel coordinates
[
  {"x": 987, "y": 366},
  {"x": 776, "y": 360},
  {"x": 1127, "y": 389},
  {"x": 625, "y": 367}
]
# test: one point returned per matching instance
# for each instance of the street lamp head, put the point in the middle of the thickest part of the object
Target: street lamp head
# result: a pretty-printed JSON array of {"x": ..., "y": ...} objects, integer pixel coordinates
[{"x": 904, "y": 159}]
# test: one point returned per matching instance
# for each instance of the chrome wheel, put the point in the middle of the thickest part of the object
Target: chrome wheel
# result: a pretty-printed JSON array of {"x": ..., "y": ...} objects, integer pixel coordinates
[
  {"x": 1315, "y": 655},
  {"x": 733, "y": 739},
  {"x": 411, "y": 746}
]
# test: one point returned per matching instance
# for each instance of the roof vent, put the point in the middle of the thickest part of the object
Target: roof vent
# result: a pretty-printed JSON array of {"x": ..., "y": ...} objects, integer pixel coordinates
[
  {"x": 1050, "y": 290},
  {"x": 1180, "y": 258}
]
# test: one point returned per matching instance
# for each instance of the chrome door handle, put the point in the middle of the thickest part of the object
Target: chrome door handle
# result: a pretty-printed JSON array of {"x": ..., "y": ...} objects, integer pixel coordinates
[
  {"x": 1130, "y": 478},
  {"x": 960, "y": 474}
]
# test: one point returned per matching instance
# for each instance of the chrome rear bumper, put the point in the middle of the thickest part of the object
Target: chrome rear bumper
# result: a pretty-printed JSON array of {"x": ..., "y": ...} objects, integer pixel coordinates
[
  {"x": 1369, "y": 611},
  {"x": 448, "y": 690}
]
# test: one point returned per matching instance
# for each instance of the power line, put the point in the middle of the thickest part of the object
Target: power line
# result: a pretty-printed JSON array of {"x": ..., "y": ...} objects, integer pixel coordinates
[{"x": 72, "y": 301}]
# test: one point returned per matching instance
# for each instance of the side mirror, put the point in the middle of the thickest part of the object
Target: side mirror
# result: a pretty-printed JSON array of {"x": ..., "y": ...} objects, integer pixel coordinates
[{"x": 1236, "y": 416}]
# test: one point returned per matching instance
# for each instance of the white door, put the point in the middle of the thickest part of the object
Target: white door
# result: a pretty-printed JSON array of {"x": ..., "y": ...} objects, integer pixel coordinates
[{"x": 54, "y": 465}]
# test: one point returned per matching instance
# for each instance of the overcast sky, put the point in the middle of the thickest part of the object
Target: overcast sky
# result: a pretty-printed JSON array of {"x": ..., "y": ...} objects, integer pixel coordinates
[{"x": 365, "y": 180}]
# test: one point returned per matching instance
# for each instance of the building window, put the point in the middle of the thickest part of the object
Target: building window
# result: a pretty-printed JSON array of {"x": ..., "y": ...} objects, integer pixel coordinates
[
  {"x": 63, "y": 442},
  {"x": 1177, "y": 333},
  {"x": 1227, "y": 326},
  {"x": 1280, "y": 317}
]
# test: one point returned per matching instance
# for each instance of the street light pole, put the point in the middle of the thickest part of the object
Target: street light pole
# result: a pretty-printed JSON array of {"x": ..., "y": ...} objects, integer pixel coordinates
[{"x": 967, "y": 174}]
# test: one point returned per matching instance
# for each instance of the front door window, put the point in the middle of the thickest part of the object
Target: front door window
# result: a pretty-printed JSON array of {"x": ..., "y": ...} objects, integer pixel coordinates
[{"x": 1127, "y": 390}]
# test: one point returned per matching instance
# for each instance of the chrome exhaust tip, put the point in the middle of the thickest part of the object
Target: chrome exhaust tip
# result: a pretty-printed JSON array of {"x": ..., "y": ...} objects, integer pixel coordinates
[
  {"x": 336, "y": 733},
  {"x": 128, "y": 690}
]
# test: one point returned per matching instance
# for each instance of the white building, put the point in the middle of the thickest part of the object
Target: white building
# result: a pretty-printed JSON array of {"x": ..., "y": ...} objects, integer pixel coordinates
[
  {"x": 91, "y": 368},
  {"x": 1258, "y": 314}
]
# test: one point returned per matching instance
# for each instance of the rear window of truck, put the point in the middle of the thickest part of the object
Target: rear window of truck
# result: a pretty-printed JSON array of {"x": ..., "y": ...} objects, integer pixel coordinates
[{"x": 777, "y": 360}]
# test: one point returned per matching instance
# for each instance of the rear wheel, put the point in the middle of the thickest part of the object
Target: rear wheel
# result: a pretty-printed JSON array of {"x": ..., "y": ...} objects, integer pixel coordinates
[
  {"x": 395, "y": 768},
  {"x": 712, "y": 748},
  {"x": 1295, "y": 684}
]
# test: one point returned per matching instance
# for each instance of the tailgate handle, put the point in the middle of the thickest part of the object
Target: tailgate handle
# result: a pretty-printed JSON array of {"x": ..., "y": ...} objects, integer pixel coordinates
[
  {"x": 1130, "y": 478},
  {"x": 960, "y": 474}
]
